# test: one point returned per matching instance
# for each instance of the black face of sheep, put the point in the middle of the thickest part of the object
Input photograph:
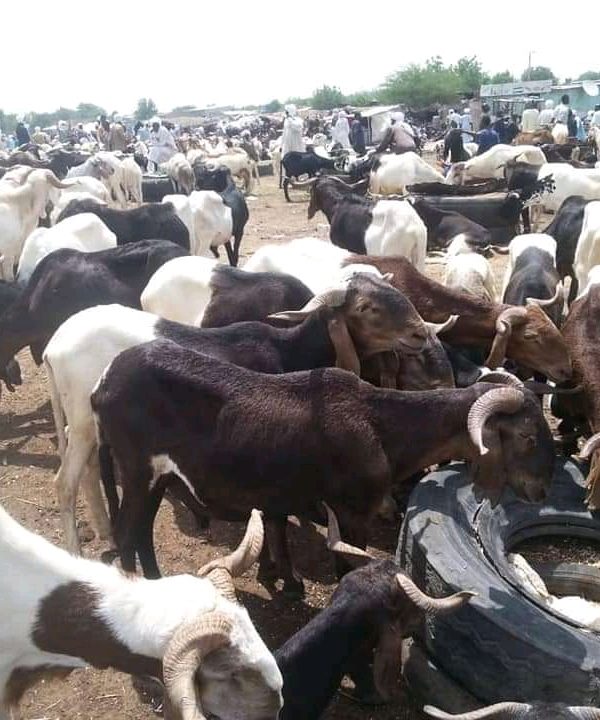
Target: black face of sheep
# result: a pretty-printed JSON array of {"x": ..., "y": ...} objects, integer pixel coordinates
[
  {"x": 513, "y": 417},
  {"x": 519, "y": 711}
]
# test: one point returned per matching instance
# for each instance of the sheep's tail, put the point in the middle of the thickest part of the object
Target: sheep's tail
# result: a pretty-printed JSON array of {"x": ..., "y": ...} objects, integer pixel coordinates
[
  {"x": 107, "y": 473},
  {"x": 57, "y": 411}
]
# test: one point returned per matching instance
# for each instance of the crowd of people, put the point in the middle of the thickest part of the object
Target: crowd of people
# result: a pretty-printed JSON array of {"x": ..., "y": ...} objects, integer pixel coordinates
[{"x": 501, "y": 128}]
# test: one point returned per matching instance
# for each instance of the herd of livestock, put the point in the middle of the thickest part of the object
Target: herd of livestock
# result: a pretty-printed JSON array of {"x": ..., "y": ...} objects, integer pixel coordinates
[{"x": 318, "y": 381}]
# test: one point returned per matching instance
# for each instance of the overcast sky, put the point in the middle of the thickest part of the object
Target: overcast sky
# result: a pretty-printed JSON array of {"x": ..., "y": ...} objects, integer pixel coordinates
[{"x": 183, "y": 52}]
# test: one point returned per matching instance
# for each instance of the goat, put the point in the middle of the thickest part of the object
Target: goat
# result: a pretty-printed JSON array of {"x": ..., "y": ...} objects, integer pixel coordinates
[
  {"x": 85, "y": 232},
  {"x": 225, "y": 431},
  {"x": 181, "y": 173},
  {"x": 471, "y": 273},
  {"x": 491, "y": 163},
  {"x": 198, "y": 291},
  {"x": 587, "y": 253},
  {"x": 21, "y": 208},
  {"x": 220, "y": 181},
  {"x": 68, "y": 613},
  {"x": 371, "y": 611},
  {"x": 361, "y": 225},
  {"x": 523, "y": 334},
  {"x": 67, "y": 281},
  {"x": 10, "y": 373},
  {"x": 355, "y": 320},
  {"x": 94, "y": 167},
  {"x": 531, "y": 276},
  {"x": 444, "y": 226},
  {"x": 153, "y": 220},
  {"x": 131, "y": 177},
  {"x": 297, "y": 164},
  {"x": 390, "y": 174}
]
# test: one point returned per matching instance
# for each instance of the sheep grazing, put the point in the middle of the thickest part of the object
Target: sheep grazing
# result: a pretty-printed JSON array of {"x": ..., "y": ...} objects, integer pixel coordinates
[
  {"x": 67, "y": 281},
  {"x": 150, "y": 221},
  {"x": 519, "y": 711},
  {"x": 85, "y": 232},
  {"x": 361, "y": 225},
  {"x": 188, "y": 632},
  {"x": 342, "y": 327},
  {"x": 228, "y": 445},
  {"x": 371, "y": 611}
]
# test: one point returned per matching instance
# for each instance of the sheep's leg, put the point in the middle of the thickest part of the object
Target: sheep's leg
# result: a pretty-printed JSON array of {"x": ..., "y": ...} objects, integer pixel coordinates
[
  {"x": 145, "y": 542},
  {"x": 214, "y": 251},
  {"x": 127, "y": 528},
  {"x": 277, "y": 539},
  {"x": 93, "y": 495},
  {"x": 79, "y": 448},
  {"x": 230, "y": 253}
]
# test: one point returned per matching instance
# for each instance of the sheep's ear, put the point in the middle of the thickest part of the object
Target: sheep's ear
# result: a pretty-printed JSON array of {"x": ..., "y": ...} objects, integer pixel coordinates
[{"x": 346, "y": 357}]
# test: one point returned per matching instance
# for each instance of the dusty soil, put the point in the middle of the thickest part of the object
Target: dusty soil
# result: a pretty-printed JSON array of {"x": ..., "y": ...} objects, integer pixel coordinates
[{"x": 28, "y": 461}]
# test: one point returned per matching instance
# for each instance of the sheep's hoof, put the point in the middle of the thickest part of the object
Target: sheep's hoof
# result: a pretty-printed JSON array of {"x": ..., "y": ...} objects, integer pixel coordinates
[
  {"x": 85, "y": 532},
  {"x": 109, "y": 556},
  {"x": 293, "y": 589}
]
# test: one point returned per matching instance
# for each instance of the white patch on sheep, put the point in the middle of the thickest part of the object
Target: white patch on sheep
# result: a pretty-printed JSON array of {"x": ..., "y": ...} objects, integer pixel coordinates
[{"x": 164, "y": 465}]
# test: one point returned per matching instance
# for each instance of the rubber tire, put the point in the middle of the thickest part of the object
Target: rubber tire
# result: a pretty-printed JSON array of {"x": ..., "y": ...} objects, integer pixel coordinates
[{"x": 504, "y": 645}]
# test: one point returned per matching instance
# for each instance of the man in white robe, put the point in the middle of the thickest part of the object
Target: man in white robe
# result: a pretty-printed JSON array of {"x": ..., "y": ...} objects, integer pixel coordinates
[{"x": 162, "y": 144}]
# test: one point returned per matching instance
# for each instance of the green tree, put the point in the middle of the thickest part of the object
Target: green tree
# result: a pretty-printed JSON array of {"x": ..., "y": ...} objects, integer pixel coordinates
[
  {"x": 470, "y": 74},
  {"x": 502, "y": 77},
  {"x": 589, "y": 75},
  {"x": 89, "y": 111},
  {"x": 362, "y": 98},
  {"x": 327, "y": 98},
  {"x": 539, "y": 72},
  {"x": 146, "y": 108},
  {"x": 422, "y": 85},
  {"x": 273, "y": 106}
]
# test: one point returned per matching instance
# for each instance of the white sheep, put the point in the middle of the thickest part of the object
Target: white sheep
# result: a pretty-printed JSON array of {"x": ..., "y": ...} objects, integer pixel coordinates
[
  {"x": 131, "y": 177},
  {"x": 471, "y": 272},
  {"x": 492, "y": 162},
  {"x": 587, "y": 251},
  {"x": 63, "y": 613},
  {"x": 179, "y": 169},
  {"x": 21, "y": 208},
  {"x": 84, "y": 232},
  {"x": 394, "y": 172}
]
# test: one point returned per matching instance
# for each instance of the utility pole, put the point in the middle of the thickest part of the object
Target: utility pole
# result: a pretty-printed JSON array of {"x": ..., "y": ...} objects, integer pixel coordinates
[{"x": 529, "y": 65}]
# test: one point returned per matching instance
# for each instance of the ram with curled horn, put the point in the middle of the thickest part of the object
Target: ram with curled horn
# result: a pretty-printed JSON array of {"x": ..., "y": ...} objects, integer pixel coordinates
[{"x": 519, "y": 711}]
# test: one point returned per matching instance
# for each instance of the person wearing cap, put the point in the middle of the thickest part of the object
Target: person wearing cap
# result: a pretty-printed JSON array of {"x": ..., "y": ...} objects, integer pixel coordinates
[
  {"x": 162, "y": 144},
  {"x": 293, "y": 127},
  {"x": 22, "y": 134},
  {"x": 466, "y": 124},
  {"x": 595, "y": 121},
  {"x": 398, "y": 137},
  {"x": 39, "y": 137},
  {"x": 341, "y": 131},
  {"x": 547, "y": 114},
  {"x": 247, "y": 145}
]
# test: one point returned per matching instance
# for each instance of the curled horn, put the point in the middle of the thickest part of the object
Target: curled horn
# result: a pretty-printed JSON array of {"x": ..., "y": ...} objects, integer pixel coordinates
[
  {"x": 498, "y": 249},
  {"x": 431, "y": 605},
  {"x": 590, "y": 447},
  {"x": 439, "y": 328},
  {"x": 504, "y": 325},
  {"x": 500, "y": 711},
  {"x": 191, "y": 643},
  {"x": 222, "y": 570},
  {"x": 354, "y": 555},
  {"x": 501, "y": 378},
  {"x": 304, "y": 183},
  {"x": 586, "y": 713},
  {"x": 558, "y": 295},
  {"x": 332, "y": 297},
  {"x": 500, "y": 400}
]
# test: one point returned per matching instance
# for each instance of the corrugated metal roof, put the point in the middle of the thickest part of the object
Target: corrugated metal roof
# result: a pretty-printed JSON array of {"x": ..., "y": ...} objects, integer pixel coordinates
[{"x": 377, "y": 110}]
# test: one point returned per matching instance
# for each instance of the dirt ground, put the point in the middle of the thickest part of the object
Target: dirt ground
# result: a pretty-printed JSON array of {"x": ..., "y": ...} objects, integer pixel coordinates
[{"x": 28, "y": 462}]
